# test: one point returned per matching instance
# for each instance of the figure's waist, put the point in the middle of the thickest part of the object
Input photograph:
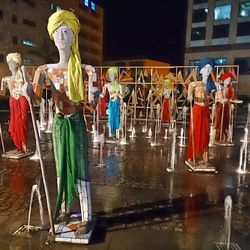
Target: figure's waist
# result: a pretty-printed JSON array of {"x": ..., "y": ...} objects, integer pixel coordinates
[{"x": 201, "y": 101}]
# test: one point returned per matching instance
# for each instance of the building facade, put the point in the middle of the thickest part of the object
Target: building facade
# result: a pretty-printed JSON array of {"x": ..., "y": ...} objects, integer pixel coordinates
[
  {"x": 23, "y": 28},
  {"x": 220, "y": 29}
]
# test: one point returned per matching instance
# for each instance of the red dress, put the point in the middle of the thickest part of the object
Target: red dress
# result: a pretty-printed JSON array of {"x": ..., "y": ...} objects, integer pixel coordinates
[
  {"x": 200, "y": 130},
  {"x": 18, "y": 121}
]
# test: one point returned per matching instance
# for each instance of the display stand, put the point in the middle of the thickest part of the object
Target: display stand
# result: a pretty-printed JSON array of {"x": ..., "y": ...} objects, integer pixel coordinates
[
  {"x": 205, "y": 168},
  {"x": 66, "y": 232}
]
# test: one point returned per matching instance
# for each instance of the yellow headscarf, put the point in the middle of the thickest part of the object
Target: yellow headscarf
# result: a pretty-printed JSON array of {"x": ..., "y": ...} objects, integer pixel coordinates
[
  {"x": 75, "y": 80},
  {"x": 16, "y": 57}
]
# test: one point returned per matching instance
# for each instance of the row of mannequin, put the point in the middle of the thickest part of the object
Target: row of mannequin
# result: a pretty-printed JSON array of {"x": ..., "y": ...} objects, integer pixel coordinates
[{"x": 70, "y": 138}]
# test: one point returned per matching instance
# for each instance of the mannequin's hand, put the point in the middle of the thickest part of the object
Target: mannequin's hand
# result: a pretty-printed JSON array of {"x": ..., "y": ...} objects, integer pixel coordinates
[
  {"x": 217, "y": 85},
  {"x": 89, "y": 69}
]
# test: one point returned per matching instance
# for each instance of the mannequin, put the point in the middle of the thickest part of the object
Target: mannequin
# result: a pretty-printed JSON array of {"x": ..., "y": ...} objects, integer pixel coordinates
[
  {"x": 166, "y": 102},
  {"x": 69, "y": 129},
  {"x": 114, "y": 90},
  {"x": 199, "y": 92},
  {"x": 224, "y": 99},
  {"x": 18, "y": 104}
]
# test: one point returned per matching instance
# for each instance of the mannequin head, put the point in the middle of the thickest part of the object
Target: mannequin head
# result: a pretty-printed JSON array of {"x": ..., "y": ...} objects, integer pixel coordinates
[
  {"x": 112, "y": 73},
  {"x": 14, "y": 62},
  {"x": 206, "y": 70},
  {"x": 63, "y": 27},
  {"x": 226, "y": 79},
  {"x": 63, "y": 37}
]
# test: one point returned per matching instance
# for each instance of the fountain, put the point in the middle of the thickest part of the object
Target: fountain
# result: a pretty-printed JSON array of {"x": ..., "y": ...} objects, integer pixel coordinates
[
  {"x": 50, "y": 119},
  {"x": 166, "y": 134},
  {"x": 243, "y": 153},
  {"x": 2, "y": 142},
  {"x": 225, "y": 243},
  {"x": 172, "y": 160},
  {"x": 124, "y": 124},
  {"x": 42, "y": 115}
]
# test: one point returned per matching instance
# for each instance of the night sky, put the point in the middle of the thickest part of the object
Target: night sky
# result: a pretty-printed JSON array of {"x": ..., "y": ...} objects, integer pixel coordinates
[{"x": 145, "y": 29}]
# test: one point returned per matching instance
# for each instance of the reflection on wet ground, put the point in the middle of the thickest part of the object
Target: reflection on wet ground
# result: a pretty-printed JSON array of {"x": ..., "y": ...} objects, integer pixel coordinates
[{"x": 139, "y": 204}]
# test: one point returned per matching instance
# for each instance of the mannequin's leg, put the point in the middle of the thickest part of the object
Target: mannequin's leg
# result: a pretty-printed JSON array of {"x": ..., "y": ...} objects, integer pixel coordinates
[{"x": 85, "y": 200}]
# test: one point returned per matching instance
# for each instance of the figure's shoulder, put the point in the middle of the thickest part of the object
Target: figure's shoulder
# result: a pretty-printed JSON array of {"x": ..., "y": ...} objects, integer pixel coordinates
[
  {"x": 6, "y": 78},
  {"x": 195, "y": 83},
  {"x": 42, "y": 68}
]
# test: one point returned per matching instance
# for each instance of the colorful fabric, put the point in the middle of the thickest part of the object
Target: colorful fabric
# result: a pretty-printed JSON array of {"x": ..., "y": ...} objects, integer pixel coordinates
[
  {"x": 199, "y": 133},
  {"x": 71, "y": 156},
  {"x": 210, "y": 86},
  {"x": 221, "y": 128},
  {"x": 75, "y": 80},
  {"x": 166, "y": 110},
  {"x": 18, "y": 121},
  {"x": 114, "y": 115},
  {"x": 102, "y": 107},
  {"x": 226, "y": 75}
]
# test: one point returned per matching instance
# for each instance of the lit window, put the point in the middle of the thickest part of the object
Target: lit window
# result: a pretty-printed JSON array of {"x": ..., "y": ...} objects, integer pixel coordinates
[
  {"x": 55, "y": 7},
  {"x": 86, "y": 3},
  {"x": 93, "y": 6},
  {"x": 29, "y": 43},
  {"x": 222, "y": 12},
  {"x": 244, "y": 9},
  {"x": 220, "y": 61}
]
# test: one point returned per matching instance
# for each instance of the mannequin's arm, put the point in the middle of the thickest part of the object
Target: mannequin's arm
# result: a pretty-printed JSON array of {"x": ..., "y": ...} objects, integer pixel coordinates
[
  {"x": 190, "y": 91},
  {"x": 34, "y": 90},
  {"x": 102, "y": 95}
]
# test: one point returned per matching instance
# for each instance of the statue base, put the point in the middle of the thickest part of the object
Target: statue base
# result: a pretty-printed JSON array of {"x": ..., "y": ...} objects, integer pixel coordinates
[
  {"x": 224, "y": 144},
  {"x": 15, "y": 154},
  {"x": 66, "y": 232},
  {"x": 202, "y": 168},
  {"x": 112, "y": 141}
]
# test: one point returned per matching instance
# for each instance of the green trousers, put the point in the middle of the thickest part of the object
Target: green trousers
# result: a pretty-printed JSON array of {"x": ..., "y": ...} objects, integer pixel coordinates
[{"x": 71, "y": 156}]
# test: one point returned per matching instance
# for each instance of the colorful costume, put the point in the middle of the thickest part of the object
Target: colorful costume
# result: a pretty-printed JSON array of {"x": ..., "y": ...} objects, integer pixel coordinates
[
  {"x": 70, "y": 149},
  {"x": 200, "y": 130},
  {"x": 69, "y": 131},
  {"x": 18, "y": 121},
  {"x": 199, "y": 126},
  {"x": 114, "y": 115},
  {"x": 222, "y": 116},
  {"x": 19, "y": 106},
  {"x": 166, "y": 110}
]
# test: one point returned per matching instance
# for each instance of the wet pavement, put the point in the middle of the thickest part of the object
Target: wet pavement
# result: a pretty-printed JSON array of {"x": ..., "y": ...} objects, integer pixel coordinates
[{"x": 139, "y": 205}]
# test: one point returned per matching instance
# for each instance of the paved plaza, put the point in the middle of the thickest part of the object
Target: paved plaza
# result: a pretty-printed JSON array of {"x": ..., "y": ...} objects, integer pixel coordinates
[{"x": 138, "y": 204}]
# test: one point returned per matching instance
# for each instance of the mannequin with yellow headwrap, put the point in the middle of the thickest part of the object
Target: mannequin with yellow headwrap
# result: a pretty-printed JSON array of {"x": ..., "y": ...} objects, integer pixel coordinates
[
  {"x": 18, "y": 104},
  {"x": 69, "y": 128}
]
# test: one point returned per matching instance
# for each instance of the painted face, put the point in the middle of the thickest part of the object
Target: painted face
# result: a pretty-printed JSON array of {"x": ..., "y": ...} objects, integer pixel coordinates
[
  {"x": 63, "y": 37},
  {"x": 227, "y": 81},
  {"x": 13, "y": 66},
  {"x": 112, "y": 76},
  {"x": 206, "y": 70}
]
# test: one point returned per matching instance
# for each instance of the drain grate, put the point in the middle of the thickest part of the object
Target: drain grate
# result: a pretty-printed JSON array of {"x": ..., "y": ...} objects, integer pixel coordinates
[
  {"x": 27, "y": 231},
  {"x": 223, "y": 246}
]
